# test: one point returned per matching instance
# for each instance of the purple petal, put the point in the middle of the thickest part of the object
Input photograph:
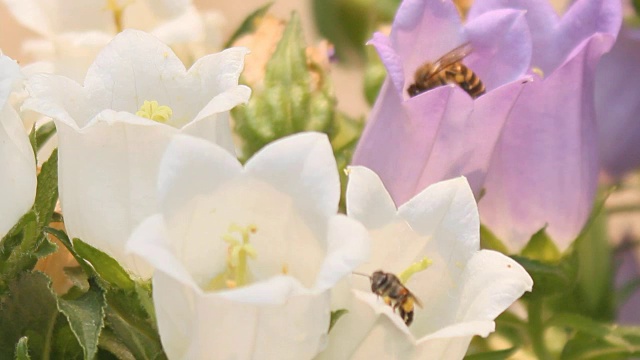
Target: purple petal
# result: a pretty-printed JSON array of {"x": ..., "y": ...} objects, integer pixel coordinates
[
  {"x": 618, "y": 105},
  {"x": 502, "y": 46},
  {"x": 424, "y": 30},
  {"x": 390, "y": 59},
  {"x": 545, "y": 168},
  {"x": 555, "y": 39}
]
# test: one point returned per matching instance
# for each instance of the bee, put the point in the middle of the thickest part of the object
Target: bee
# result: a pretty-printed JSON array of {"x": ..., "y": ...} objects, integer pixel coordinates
[
  {"x": 449, "y": 69},
  {"x": 394, "y": 294}
]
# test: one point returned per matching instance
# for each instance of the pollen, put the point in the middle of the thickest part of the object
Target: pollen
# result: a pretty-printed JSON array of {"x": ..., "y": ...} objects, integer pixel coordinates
[
  {"x": 414, "y": 268},
  {"x": 154, "y": 111},
  {"x": 536, "y": 70}
]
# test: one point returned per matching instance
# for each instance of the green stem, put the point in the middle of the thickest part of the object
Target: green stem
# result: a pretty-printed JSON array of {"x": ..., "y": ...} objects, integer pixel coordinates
[
  {"x": 536, "y": 329},
  {"x": 48, "y": 340}
]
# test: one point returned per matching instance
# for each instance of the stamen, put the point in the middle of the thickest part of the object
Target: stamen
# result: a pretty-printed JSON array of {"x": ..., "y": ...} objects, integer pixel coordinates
[
  {"x": 536, "y": 70},
  {"x": 237, "y": 272},
  {"x": 117, "y": 9},
  {"x": 414, "y": 268},
  {"x": 152, "y": 110}
]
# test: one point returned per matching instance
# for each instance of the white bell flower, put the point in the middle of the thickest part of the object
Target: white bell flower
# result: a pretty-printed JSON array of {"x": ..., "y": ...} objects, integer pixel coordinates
[
  {"x": 245, "y": 257},
  {"x": 113, "y": 130},
  {"x": 433, "y": 243},
  {"x": 18, "y": 175}
]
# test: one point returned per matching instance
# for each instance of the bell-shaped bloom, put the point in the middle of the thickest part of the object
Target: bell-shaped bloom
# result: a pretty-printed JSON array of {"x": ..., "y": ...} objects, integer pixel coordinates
[
  {"x": 462, "y": 291},
  {"x": 245, "y": 256},
  {"x": 411, "y": 142},
  {"x": 544, "y": 170},
  {"x": 18, "y": 175},
  {"x": 109, "y": 146},
  {"x": 618, "y": 105}
]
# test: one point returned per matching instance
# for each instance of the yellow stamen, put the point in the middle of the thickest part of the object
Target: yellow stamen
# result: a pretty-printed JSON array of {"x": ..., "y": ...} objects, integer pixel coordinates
[
  {"x": 117, "y": 9},
  {"x": 285, "y": 269},
  {"x": 237, "y": 272},
  {"x": 416, "y": 267},
  {"x": 154, "y": 111}
]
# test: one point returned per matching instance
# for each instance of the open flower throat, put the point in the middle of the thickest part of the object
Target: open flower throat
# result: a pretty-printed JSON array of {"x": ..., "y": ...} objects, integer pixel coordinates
[{"x": 236, "y": 273}]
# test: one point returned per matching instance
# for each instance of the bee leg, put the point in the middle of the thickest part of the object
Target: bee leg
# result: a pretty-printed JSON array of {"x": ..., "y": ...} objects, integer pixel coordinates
[{"x": 407, "y": 316}]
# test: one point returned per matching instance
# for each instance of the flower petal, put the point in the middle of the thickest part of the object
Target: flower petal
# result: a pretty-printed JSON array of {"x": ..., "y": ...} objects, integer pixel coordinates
[
  {"x": 502, "y": 47},
  {"x": 617, "y": 105},
  {"x": 347, "y": 248},
  {"x": 367, "y": 199},
  {"x": 112, "y": 162},
  {"x": 315, "y": 185},
  {"x": 413, "y": 30},
  {"x": 18, "y": 176},
  {"x": 446, "y": 212},
  {"x": 204, "y": 326},
  {"x": 549, "y": 166},
  {"x": 553, "y": 39}
]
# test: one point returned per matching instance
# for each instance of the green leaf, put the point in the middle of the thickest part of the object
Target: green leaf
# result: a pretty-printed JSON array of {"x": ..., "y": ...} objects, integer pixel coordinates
[
  {"x": 492, "y": 355},
  {"x": 44, "y": 133},
  {"x": 22, "y": 349},
  {"x": 335, "y": 316},
  {"x": 548, "y": 279},
  {"x": 488, "y": 240},
  {"x": 595, "y": 266},
  {"x": 249, "y": 24},
  {"x": 17, "y": 249},
  {"x": 30, "y": 309},
  {"x": 64, "y": 239},
  {"x": 47, "y": 191},
  {"x": 541, "y": 247},
  {"x": 597, "y": 340},
  {"x": 86, "y": 317},
  {"x": 132, "y": 326},
  {"x": 349, "y": 23},
  {"x": 374, "y": 75},
  {"x": 108, "y": 268},
  {"x": 111, "y": 343}
]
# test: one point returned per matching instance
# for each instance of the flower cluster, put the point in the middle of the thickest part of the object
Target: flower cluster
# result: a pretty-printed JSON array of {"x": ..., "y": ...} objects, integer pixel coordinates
[{"x": 203, "y": 221}]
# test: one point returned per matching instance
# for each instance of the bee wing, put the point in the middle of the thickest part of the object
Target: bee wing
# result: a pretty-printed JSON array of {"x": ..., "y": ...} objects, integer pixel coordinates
[
  {"x": 416, "y": 300},
  {"x": 454, "y": 55}
]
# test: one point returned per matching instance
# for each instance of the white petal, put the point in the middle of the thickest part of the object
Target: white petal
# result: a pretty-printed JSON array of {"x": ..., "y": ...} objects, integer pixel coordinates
[
  {"x": 150, "y": 241},
  {"x": 490, "y": 284},
  {"x": 107, "y": 179},
  {"x": 446, "y": 211},
  {"x": 132, "y": 68},
  {"x": 18, "y": 175},
  {"x": 205, "y": 326},
  {"x": 60, "y": 98},
  {"x": 367, "y": 199},
  {"x": 192, "y": 167},
  {"x": 309, "y": 174},
  {"x": 348, "y": 247}
]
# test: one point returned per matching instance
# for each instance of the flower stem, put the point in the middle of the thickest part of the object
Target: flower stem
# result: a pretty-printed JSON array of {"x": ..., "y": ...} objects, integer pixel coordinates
[{"x": 536, "y": 329}]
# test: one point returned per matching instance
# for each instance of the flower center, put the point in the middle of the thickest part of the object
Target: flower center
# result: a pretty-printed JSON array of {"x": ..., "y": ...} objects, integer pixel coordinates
[
  {"x": 414, "y": 268},
  {"x": 236, "y": 273},
  {"x": 154, "y": 111},
  {"x": 117, "y": 8}
]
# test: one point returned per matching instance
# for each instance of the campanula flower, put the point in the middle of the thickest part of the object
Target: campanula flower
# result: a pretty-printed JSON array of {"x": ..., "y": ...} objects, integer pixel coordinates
[
  {"x": 432, "y": 241},
  {"x": 245, "y": 256},
  {"x": 114, "y": 129},
  {"x": 544, "y": 169}
]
